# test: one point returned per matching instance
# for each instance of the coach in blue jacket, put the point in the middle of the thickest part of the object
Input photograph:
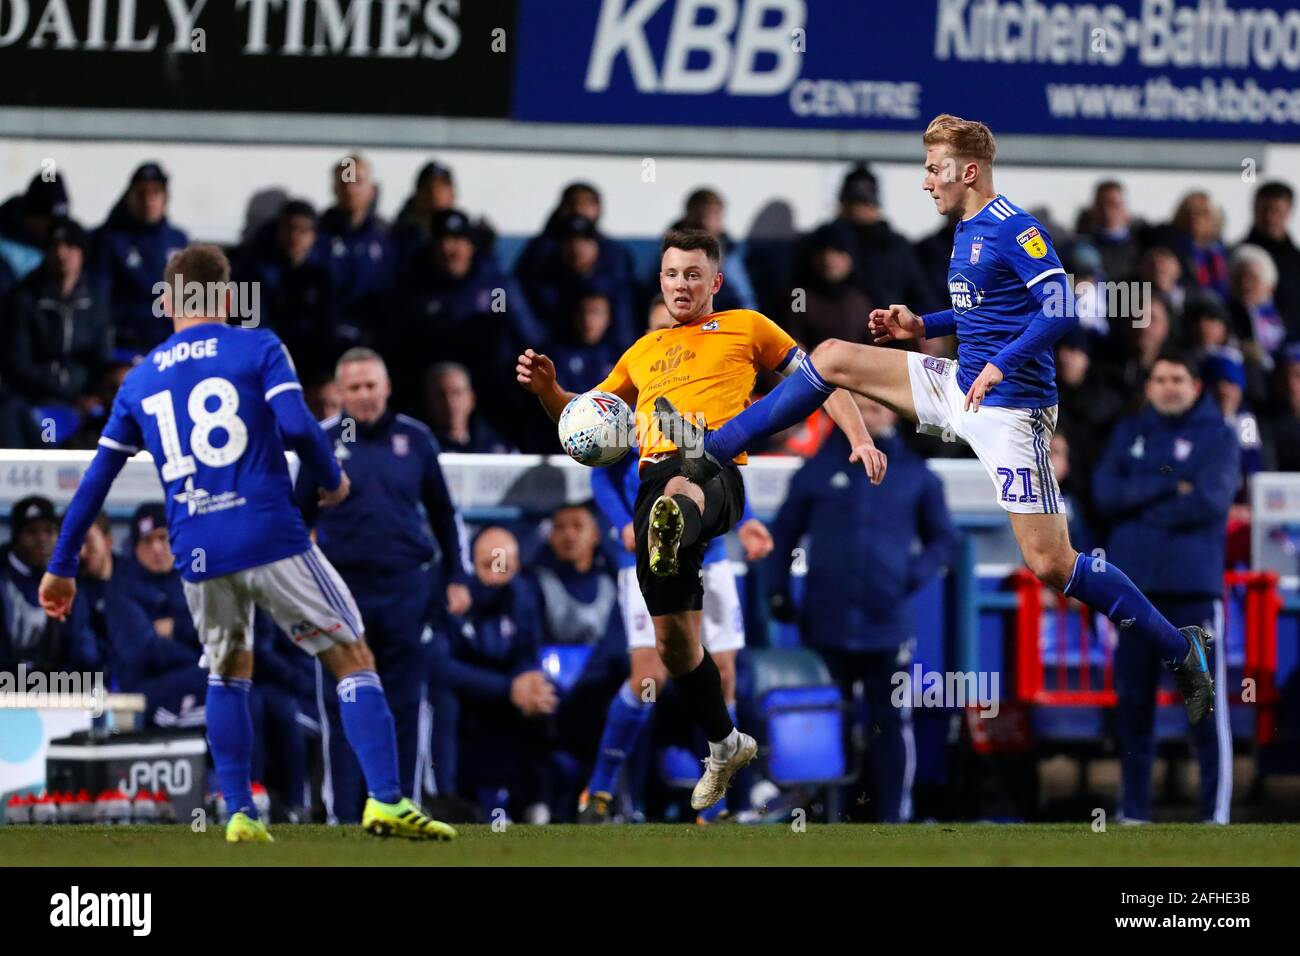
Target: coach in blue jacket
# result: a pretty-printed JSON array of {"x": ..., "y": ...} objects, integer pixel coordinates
[
  {"x": 1165, "y": 485},
  {"x": 378, "y": 541},
  {"x": 868, "y": 548}
]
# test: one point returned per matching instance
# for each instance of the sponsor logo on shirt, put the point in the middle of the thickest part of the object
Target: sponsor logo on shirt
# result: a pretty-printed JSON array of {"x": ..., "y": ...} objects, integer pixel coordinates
[
  {"x": 964, "y": 293},
  {"x": 200, "y": 501},
  {"x": 1032, "y": 241},
  {"x": 674, "y": 357}
]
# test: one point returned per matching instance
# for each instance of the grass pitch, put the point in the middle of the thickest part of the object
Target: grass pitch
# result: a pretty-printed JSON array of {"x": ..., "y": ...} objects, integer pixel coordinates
[{"x": 669, "y": 845}]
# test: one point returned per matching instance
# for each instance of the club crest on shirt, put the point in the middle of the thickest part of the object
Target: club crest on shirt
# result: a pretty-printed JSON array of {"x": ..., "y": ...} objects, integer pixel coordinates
[
  {"x": 975, "y": 248},
  {"x": 710, "y": 326},
  {"x": 1032, "y": 241},
  {"x": 1182, "y": 449},
  {"x": 401, "y": 445}
]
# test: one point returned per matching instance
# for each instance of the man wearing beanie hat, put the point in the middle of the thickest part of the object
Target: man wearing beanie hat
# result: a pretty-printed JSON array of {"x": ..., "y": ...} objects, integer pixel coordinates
[
  {"x": 1165, "y": 485},
  {"x": 27, "y": 636},
  {"x": 25, "y": 221},
  {"x": 57, "y": 339},
  {"x": 130, "y": 251},
  {"x": 884, "y": 262}
]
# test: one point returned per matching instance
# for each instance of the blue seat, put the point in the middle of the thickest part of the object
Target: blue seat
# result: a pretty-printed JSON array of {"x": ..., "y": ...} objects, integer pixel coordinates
[
  {"x": 564, "y": 663},
  {"x": 805, "y": 735}
]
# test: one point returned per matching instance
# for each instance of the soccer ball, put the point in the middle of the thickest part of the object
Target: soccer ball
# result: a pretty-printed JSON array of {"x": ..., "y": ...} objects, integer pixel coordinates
[{"x": 596, "y": 429}]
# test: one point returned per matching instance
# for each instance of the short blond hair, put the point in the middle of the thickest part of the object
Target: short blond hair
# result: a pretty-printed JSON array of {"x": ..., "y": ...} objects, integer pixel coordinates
[
  {"x": 968, "y": 138},
  {"x": 200, "y": 262}
]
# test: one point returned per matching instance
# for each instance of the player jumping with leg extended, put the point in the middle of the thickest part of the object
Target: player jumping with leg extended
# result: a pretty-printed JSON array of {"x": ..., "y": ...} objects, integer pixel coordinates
[
  {"x": 707, "y": 360},
  {"x": 1011, "y": 300},
  {"x": 210, "y": 404}
]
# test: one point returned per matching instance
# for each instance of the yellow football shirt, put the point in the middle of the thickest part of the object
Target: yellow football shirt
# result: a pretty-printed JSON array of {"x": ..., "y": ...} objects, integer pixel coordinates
[{"x": 706, "y": 368}]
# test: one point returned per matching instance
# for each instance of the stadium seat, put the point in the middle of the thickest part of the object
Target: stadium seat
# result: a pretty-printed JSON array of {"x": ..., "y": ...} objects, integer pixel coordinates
[
  {"x": 564, "y": 663},
  {"x": 805, "y": 735}
]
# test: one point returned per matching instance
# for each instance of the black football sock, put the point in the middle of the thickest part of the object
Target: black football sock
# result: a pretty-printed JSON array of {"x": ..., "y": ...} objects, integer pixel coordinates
[
  {"x": 702, "y": 691},
  {"x": 691, "y": 523}
]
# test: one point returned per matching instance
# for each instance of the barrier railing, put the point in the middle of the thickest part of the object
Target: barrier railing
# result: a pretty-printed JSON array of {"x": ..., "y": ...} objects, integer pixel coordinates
[{"x": 1064, "y": 653}]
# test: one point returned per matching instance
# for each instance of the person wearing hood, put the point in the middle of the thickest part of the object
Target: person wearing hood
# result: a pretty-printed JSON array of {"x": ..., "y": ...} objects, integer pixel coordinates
[
  {"x": 833, "y": 303},
  {"x": 27, "y": 635},
  {"x": 379, "y": 542},
  {"x": 296, "y": 289},
  {"x": 861, "y": 623},
  {"x": 58, "y": 339},
  {"x": 1165, "y": 485},
  {"x": 573, "y": 272},
  {"x": 883, "y": 260},
  {"x": 129, "y": 253},
  {"x": 156, "y": 649},
  {"x": 459, "y": 306},
  {"x": 25, "y": 224},
  {"x": 356, "y": 245}
]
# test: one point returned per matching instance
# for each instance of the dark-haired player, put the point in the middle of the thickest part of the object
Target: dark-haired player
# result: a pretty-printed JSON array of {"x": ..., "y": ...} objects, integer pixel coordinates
[{"x": 706, "y": 363}]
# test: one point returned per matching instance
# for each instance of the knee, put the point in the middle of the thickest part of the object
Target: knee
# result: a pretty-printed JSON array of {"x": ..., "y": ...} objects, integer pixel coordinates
[
  {"x": 676, "y": 652},
  {"x": 237, "y": 664},
  {"x": 829, "y": 355},
  {"x": 648, "y": 682},
  {"x": 1052, "y": 567},
  {"x": 346, "y": 659}
]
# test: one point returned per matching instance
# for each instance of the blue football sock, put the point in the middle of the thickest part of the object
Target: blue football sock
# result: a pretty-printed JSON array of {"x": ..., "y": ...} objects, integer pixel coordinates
[
  {"x": 368, "y": 725},
  {"x": 1104, "y": 587},
  {"x": 788, "y": 404},
  {"x": 230, "y": 738},
  {"x": 719, "y": 808},
  {"x": 627, "y": 718}
]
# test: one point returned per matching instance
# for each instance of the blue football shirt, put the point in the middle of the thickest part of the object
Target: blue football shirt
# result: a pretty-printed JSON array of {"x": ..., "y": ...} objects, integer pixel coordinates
[
  {"x": 1000, "y": 258},
  {"x": 200, "y": 405}
]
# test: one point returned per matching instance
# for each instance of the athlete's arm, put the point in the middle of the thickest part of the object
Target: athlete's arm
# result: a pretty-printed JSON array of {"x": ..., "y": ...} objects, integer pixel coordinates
[
  {"x": 305, "y": 436},
  {"x": 58, "y": 584},
  {"x": 844, "y": 412},
  {"x": 898, "y": 324},
  {"x": 536, "y": 373}
]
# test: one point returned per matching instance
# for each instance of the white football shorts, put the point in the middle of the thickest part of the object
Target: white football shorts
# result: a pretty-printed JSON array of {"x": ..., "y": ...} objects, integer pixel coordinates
[
  {"x": 1013, "y": 444},
  {"x": 304, "y": 594},
  {"x": 723, "y": 624}
]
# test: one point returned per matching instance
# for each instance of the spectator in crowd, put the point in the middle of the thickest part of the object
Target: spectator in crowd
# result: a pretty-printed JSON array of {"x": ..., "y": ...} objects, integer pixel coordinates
[
  {"x": 94, "y": 574},
  {"x": 58, "y": 339},
  {"x": 573, "y": 271},
  {"x": 1162, "y": 270},
  {"x": 156, "y": 649},
  {"x": 1091, "y": 302},
  {"x": 27, "y": 635},
  {"x": 1195, "y": 235},
  {"x": 613, "y": 260},
  {"x": 1165, "y": 484},
  {"x": 96, "y": 405},
  {"x": 883, "y": 260},
  {"x": 1076, "y": 496},
  {"x": 378, "y": 542},
  {"x": 1256, "y": 321},
  {"x": 934, "y": 253},
  {"x": 575, "y": 584},
  {"x": 25, "y": 223},
  {"x": 1274, "y": 202},
  {"x": 129, "y": 252},
  {"x": 1210, "y": 330},
  {"x": 323, "y": 397},
  {"x": 861, "y": 624},
  {"x": 1109, "y": 226},
  {"x": 832, "y": 304},
  {"x": 706, "y": 210},
  {"x": 355, "y": 244},
  {"x": 435, "y": 190},
  {"x": 1085, "y": 399},
  {"x": 449, "y": 407},
  {"x": 1223, "y": 373},
  {"x": 586, "y": 353},
  {"x": 1282, "y": 431},
  {"x": 1138, "y": 343},
  {"x": 18, "y": 428},
  {"x": 295, "y": 294},
  {"x": 459, "y": 306},
  {"x": 492, "y": 664}
]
